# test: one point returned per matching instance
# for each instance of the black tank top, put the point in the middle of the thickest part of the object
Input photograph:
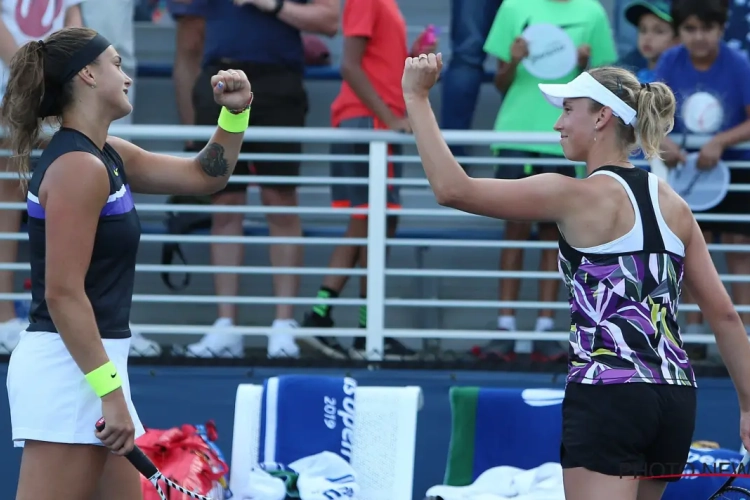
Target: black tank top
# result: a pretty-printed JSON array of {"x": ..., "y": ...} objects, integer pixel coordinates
[{"x": 111, "y": 273}]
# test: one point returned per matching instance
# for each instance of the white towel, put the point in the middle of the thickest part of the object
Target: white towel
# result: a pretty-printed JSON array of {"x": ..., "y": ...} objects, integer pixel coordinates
[
  {"x": 323, "y": 476},
  {"x": 508, "y": 483}
]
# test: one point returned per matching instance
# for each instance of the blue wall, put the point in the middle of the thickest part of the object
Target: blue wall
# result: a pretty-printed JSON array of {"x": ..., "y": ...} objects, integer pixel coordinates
[{"x": 166, "y": 397}]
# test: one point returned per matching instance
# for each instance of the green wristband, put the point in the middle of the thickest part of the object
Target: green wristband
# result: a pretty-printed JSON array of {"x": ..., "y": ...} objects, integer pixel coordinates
[
  {"x": 234, "y": 123},
  {"x": 104, "y": 379}
]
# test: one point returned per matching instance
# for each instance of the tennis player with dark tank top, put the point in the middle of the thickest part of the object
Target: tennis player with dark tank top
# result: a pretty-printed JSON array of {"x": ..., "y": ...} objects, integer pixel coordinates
[
  {"x": 70, "y": 367},
  {"x": 626, "y": 242}
]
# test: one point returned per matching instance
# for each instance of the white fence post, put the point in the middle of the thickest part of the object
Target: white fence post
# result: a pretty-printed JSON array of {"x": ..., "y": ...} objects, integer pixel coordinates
[{"x": 376, "y": 235}]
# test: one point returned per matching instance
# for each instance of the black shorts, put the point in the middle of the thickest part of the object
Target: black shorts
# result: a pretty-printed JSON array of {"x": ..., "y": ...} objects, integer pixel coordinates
[
  {"x": 526, "y": 169},
  {"x": 279, "y": 100},
  {"x": 635, "y": 429}
]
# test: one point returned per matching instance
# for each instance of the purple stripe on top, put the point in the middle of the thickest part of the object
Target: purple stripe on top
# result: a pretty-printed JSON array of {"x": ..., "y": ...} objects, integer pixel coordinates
[
  {"x": 119, "y": 206},
  {"x": 35, "y": 209}
]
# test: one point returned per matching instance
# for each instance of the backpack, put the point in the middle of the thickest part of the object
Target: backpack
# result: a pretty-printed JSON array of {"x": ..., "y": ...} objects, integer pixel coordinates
[
  {"x": 188, "y": 456},
  {"x": 180, "y": 223}
]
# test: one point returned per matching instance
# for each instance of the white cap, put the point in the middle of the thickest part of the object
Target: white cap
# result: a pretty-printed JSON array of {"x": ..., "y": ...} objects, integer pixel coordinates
[{"x": 586, "y": 85}]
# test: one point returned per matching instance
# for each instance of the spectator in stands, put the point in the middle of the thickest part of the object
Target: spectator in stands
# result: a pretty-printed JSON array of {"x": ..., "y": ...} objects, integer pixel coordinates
[
  {"x": 470, "y": 24},
  {"x": 524, "y": 109},
  {"x": 738, "y": 26},
  {"x": 21, "y": 22},
  {"x": 189, "y": 37},
  {"x": 655, "y": 35},
  {"x": 704, "y": 66},
  {"x": 113, "y": 19},
  {"x": 375, "y": 48},
  {"x": 626, "y": 35},
  {"x": 262, "y": 38}
]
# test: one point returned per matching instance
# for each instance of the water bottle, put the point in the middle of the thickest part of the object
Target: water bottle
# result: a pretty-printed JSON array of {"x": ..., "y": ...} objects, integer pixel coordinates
[
  {"x": 23, "y": 306},
  {"x": 428, "y": 38}
]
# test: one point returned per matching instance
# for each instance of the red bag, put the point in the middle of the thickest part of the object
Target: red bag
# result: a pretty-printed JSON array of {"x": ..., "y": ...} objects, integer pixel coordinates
[{"x": 183, "y": 456}]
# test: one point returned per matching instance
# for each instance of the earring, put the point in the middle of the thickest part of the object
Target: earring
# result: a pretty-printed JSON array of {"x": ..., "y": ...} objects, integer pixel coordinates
[{"x": 93, "y": 86}]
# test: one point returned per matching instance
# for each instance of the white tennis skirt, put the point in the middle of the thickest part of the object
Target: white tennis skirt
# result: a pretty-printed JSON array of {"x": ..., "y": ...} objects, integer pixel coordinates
[{"x": 50, "y": 399}]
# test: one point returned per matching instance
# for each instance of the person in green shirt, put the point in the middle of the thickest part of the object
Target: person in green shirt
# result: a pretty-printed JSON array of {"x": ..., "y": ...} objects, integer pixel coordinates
[{"x": 524, "y": 109}]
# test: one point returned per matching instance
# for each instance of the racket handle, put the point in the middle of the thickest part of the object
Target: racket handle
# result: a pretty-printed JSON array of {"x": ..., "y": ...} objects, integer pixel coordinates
[{"x": 140, "y": 461}]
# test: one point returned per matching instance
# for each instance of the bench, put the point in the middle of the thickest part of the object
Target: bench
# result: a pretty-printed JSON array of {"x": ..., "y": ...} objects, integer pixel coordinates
[{"x": 317, "y": 73}]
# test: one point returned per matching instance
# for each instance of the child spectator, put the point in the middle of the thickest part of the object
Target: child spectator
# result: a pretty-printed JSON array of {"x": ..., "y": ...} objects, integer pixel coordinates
[
  {"x": 375, "y": 48},
  {"x": 524, "y": 109},
  {"x": 704, "y": 64},
  {"x": 655, "y": 35}
]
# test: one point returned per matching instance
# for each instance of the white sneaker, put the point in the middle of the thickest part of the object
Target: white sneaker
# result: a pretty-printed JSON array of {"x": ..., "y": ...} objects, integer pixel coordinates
[
  {"x": 218, "y": 344},
  {"x": 282, "y": 345},
  {"x": 140, "y": 346},
  {"x": 10, "y": 334}
]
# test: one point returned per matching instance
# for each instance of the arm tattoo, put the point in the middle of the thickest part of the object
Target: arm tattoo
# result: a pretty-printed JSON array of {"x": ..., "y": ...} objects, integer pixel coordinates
[{"x": 212, "y": 160}]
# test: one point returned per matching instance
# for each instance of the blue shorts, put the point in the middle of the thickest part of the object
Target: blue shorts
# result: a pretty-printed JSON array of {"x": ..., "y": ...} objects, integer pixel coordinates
[
  {"x": 527, "y": 169},
  {"x": 358, "y": 195},
  {"x": 179, "y": 8}
]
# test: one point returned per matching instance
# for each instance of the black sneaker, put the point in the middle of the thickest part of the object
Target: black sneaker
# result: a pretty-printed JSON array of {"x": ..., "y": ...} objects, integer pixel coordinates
[
  {"x": 394, "y": 350},
  {"x": 328, "y": 346}
]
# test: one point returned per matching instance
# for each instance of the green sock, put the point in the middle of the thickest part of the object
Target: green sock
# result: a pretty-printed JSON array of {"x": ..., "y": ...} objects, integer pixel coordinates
[
  {"x": 324, "y": 310},
  {"x": 363, "y": 316}
]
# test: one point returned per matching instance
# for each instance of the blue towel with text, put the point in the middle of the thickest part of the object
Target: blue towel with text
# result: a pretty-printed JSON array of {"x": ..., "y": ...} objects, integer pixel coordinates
[{"x": 303, "y": 415}]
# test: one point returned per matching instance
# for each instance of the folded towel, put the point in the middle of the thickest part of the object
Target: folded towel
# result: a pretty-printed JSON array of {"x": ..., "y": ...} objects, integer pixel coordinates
[
  {"x": 323, "y": 476},
  {"x": 504, "y": 483},
  {"x": 496, "y": 427},
  {"x": 303, "y": 415}
]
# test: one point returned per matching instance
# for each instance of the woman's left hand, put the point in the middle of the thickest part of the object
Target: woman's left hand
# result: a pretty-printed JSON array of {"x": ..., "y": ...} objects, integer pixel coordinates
[
  {"x": 232, "y": 89},
  {"x": 420, "y": 74}
]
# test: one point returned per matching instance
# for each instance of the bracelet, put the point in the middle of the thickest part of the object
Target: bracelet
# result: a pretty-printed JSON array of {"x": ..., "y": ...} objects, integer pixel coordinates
[
  {"x": 104, "y": 379},
  {"x": 234, "y": 123}
]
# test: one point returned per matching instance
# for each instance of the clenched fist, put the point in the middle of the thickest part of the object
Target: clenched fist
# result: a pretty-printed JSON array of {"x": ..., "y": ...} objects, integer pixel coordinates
[
  {"x": 420, "y": 74},
  {"x": 232, "y": 89}
]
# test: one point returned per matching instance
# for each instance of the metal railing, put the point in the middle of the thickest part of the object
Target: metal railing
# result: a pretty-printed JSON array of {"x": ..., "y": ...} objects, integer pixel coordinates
[{"x": 376, "y": 271}]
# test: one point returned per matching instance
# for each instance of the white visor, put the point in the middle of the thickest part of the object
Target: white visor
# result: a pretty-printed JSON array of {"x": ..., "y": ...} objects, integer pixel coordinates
[{"x": 586, "y": 85}]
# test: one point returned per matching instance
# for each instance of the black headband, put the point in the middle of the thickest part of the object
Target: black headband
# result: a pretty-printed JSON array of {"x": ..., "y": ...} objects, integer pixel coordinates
[{"x": 53, "y": 84}]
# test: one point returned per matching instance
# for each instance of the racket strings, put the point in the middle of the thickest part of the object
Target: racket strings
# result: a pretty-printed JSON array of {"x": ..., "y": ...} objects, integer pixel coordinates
[{"x": 733, "y": 493}]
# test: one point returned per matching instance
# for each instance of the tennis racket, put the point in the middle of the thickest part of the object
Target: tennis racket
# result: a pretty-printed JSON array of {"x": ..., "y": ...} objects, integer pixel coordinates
[
  {"x": 145, "y": 466},
  {"x": 730, "y": 492}
]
